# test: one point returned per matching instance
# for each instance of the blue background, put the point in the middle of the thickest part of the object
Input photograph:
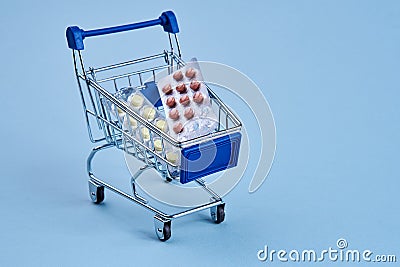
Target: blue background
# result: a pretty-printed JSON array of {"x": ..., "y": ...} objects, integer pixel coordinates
[{"x": 330, "y": 71}]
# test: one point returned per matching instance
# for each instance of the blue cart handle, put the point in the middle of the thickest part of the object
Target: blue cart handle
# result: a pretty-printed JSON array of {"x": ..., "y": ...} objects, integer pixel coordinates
[{"x": 75, "y": 35}]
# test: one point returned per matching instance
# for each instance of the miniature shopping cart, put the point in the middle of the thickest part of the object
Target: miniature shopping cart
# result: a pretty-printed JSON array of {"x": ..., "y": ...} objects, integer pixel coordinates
[{"x": 98, "y": 87}]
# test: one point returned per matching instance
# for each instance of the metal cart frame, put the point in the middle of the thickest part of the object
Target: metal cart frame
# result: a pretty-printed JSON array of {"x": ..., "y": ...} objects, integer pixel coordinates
[{"x": 97, "y": 98}]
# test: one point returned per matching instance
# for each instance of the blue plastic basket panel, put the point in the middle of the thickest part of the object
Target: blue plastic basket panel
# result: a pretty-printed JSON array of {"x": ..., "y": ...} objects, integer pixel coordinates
[
  {"x": 152, "y": 94},
  {"x": 210, "y": 157}
]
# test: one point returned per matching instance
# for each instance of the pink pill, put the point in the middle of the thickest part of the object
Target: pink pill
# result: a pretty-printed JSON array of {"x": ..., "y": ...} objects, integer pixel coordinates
[
  {"x": 178, "y": 127},
  {"x": 181, "y": 88},
  {"x": 195, "y": 85},
  {"x": 190, "y": 73},
  {"x": 184, "y": 100},
  {"x": 178, "y": 75},
  {"x": 174, "y": 114},
  {"x": 167, "y": 89},
  {"x": 189, "y": 113},
  {"x": 198, "y": 97},
  {"x": 171, "y": 102}
]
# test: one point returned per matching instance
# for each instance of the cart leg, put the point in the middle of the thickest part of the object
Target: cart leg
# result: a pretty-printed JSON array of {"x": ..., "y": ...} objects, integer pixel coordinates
[
  {"x": 133, "y": 179},
  {"x": 136, "y": 195},
  {"x": 162, "y": 227},
  {"x": 96, "y": 192},
  {"x": 218, "y": 213}
]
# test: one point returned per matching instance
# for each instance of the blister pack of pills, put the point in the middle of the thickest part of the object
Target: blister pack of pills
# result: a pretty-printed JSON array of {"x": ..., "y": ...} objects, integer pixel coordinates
[
  {"x": 141, "y": 105},
  {"x": 187, "y": 104}
]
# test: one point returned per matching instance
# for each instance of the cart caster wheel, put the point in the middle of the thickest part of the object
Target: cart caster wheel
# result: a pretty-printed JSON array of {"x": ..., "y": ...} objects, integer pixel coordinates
[
  {"x": 218, "y": 213},
  {"x": 96, "y": 192},
  {"x": 162, "y": 228}
]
